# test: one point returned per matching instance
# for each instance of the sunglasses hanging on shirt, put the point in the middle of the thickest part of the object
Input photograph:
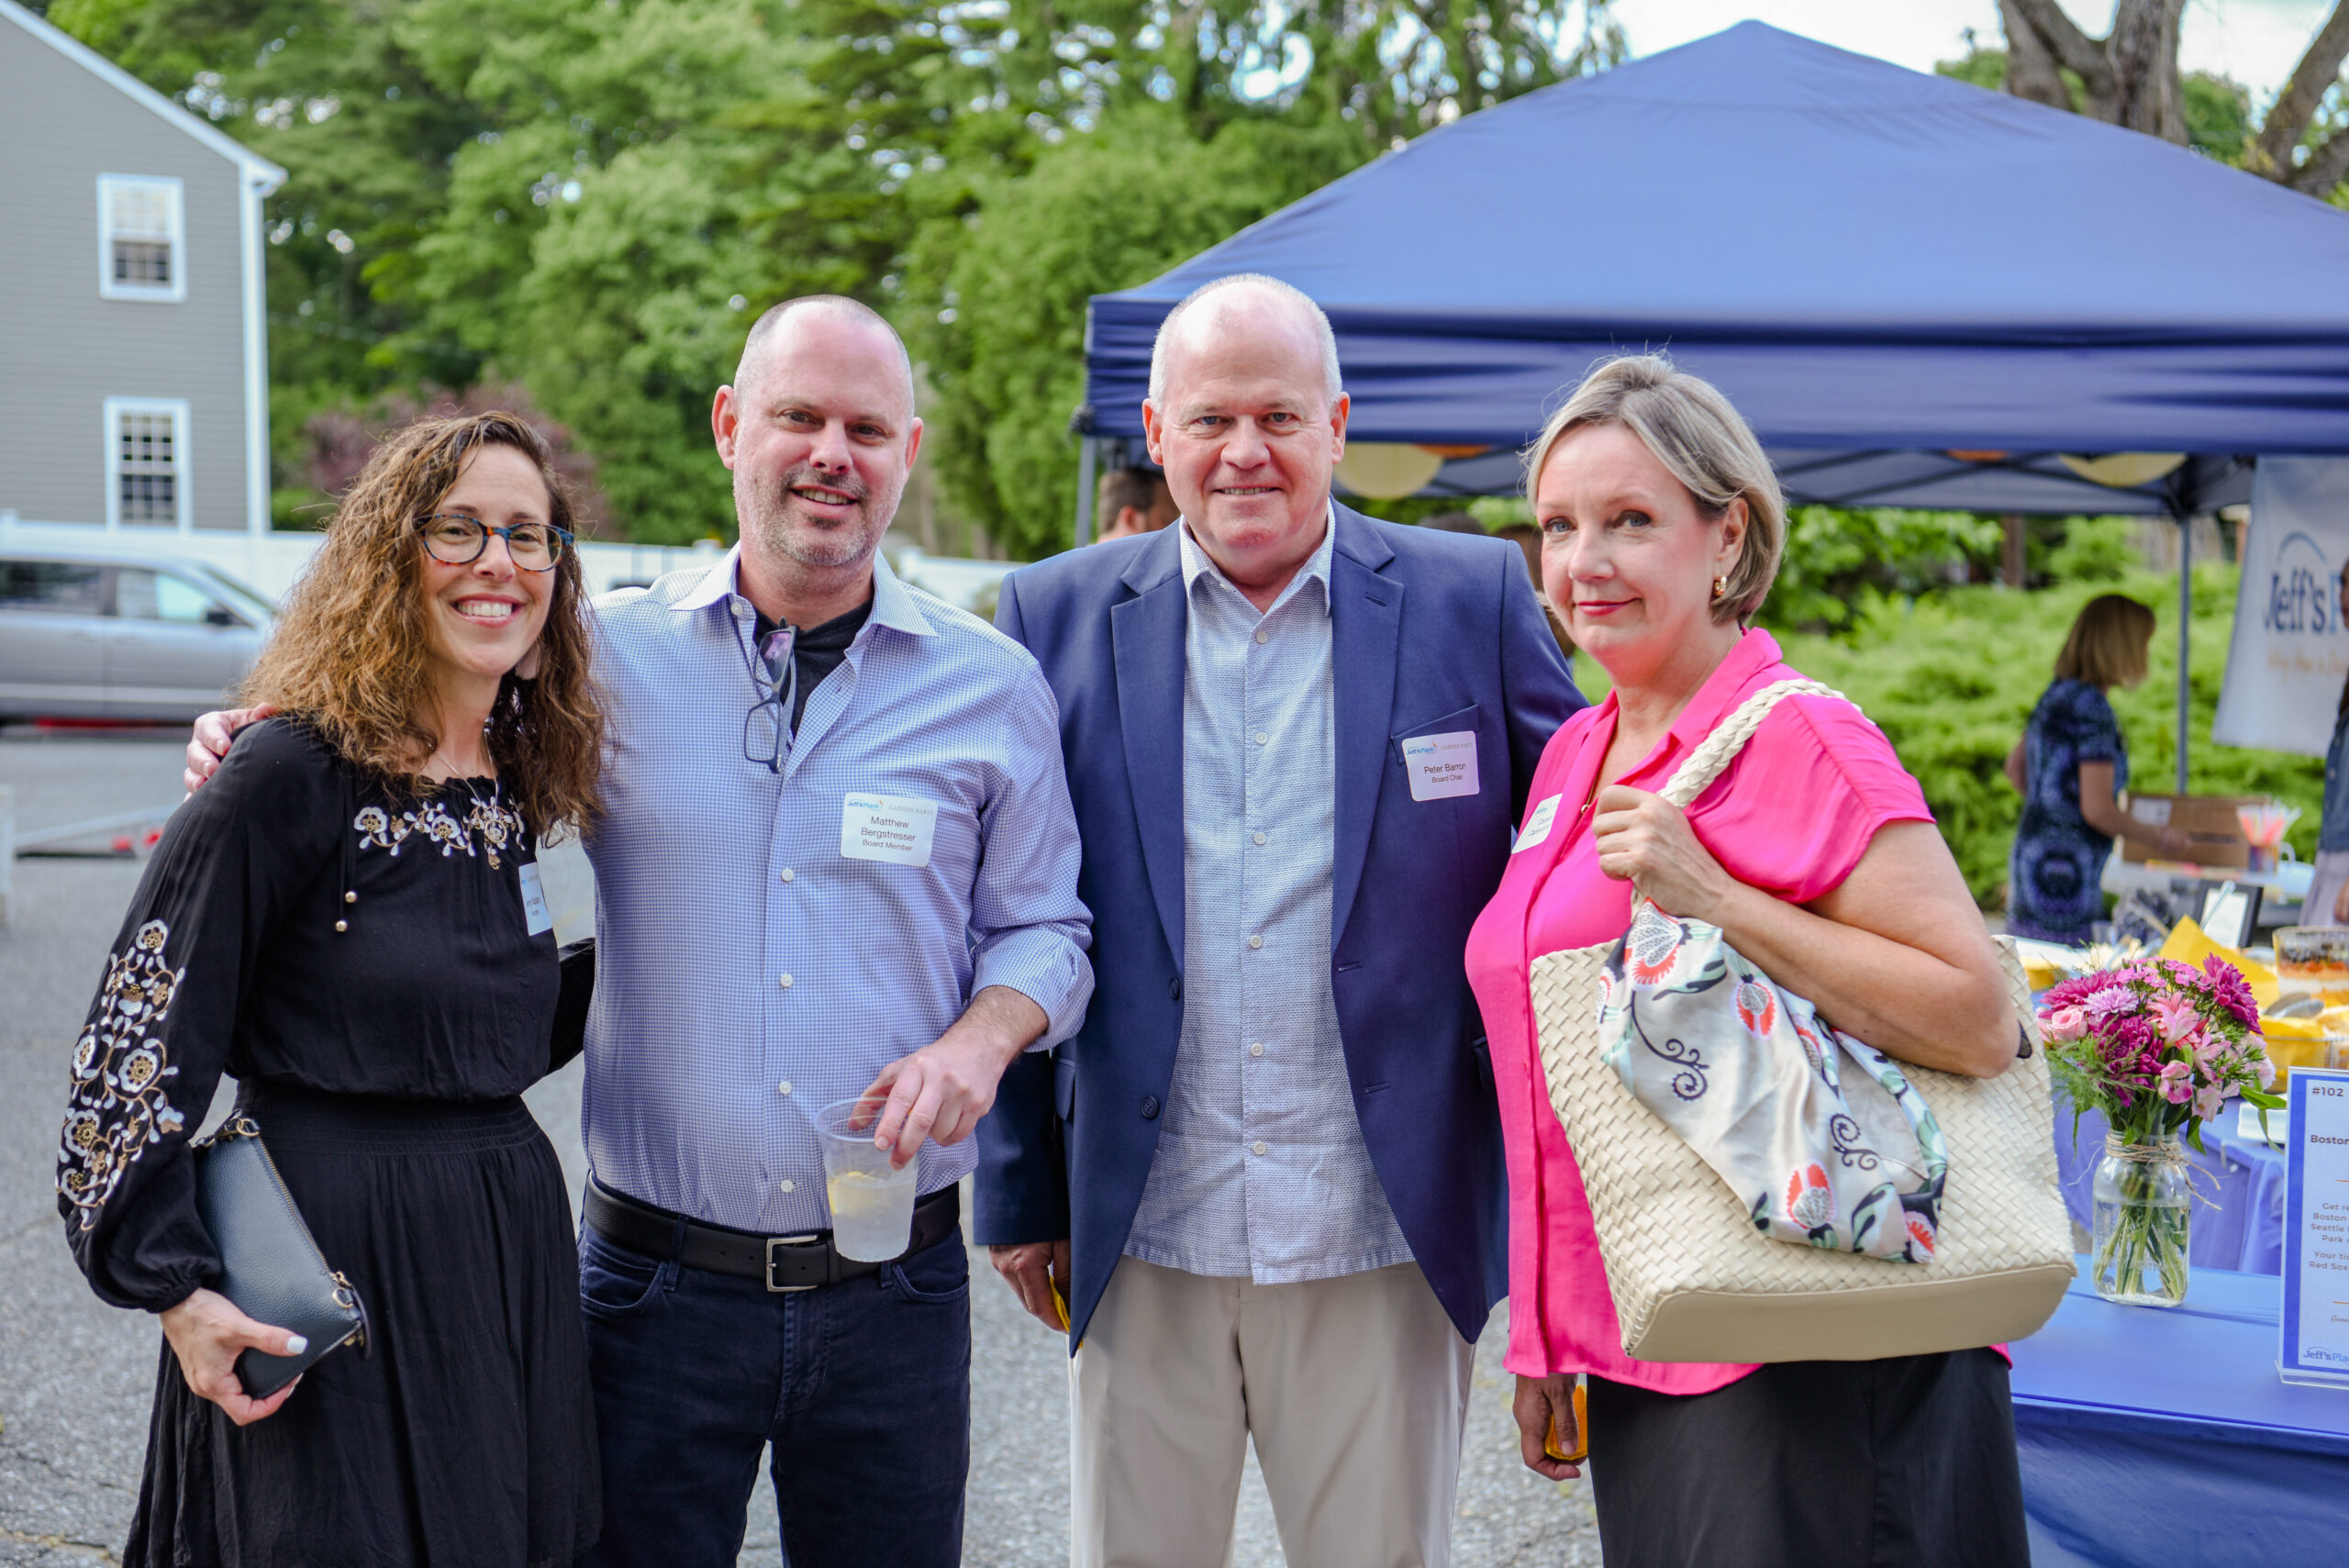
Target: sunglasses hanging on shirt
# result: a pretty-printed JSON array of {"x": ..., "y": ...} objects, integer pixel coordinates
[{"x": 767, "y": 730}]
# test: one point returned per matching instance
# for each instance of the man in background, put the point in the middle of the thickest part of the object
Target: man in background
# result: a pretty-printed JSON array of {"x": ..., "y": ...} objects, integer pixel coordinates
[{"x": 1131, "y": 501}]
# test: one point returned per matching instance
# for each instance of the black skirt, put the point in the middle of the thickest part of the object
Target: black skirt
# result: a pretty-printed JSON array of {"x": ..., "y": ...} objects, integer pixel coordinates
[
  {"x": 1907, "y": 1463},
  {"x": 465, "y": 1437}
]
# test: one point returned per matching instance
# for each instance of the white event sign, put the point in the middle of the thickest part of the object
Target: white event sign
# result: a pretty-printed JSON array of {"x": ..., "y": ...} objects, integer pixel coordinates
[
  {"x": 2289, "y": 651},
  {"x": 2316, "y": 1230}
]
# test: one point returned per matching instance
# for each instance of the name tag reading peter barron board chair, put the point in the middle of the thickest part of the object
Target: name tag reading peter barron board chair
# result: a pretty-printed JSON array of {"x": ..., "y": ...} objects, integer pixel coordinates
[{"x": 1696, "y": 1273}]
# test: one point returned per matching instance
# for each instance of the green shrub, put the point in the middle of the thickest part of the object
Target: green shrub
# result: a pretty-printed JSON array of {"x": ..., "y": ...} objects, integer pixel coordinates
[{"x": 1951, "y": 678}]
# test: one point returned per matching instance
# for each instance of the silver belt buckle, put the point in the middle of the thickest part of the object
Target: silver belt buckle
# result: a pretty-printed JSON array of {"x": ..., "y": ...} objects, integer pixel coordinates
[{"x": 775, "y": 1242}]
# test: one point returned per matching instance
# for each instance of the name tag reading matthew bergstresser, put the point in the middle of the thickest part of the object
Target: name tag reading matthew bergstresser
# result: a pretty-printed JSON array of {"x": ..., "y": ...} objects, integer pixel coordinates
[{"x": 896, "y": 829}]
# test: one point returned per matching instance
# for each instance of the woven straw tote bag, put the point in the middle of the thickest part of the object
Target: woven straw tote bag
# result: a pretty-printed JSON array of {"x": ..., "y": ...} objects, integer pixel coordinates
[{"x": 1694, "y": 1281}]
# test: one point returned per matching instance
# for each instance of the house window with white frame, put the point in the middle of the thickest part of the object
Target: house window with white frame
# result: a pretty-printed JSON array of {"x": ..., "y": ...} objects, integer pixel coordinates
[
  {"x": 147, "y": 455},
  {"x": 143, "y": 238}
]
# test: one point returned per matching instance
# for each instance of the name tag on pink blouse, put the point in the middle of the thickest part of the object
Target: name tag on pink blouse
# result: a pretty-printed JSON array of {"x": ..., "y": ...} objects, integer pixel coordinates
[
  {"x": 1441, "y": 766},
  {"x": 1537, "y": 827}
]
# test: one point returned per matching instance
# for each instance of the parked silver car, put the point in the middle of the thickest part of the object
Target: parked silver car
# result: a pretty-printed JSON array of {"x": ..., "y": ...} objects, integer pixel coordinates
[{"x": 114, "y": 631}]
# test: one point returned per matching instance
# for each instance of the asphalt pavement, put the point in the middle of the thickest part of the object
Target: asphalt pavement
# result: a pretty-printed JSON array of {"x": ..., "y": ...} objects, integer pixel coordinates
[{"x": 76, "y": 1376}]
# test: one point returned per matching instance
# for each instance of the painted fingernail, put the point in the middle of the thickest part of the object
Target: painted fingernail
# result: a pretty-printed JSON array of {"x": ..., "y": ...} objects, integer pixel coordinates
[{"x": 295, "y": 1344}]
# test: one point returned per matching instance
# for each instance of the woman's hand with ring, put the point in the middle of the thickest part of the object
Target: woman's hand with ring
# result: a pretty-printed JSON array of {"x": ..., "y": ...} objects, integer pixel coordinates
[{"x": 1646, "y": 840}]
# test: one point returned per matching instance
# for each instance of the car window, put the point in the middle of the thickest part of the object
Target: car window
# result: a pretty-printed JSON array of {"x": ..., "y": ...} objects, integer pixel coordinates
[
  {"x": 63, "y": 587},
  {"x": 242, "y": 595},
  {"x": 141, "y": 594}
]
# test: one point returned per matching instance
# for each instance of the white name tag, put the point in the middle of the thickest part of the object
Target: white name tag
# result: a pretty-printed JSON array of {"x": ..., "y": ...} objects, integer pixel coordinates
[
  {"x": 1441, "y": 766},
  {"x": 1537, "y": 827},
  {"x": 893, "y": 828},
  {"x": 535, "y": 913}
]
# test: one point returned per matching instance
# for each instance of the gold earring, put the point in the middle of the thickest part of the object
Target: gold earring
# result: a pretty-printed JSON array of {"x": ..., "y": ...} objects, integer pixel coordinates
[{"x": 1720, "y": 586}]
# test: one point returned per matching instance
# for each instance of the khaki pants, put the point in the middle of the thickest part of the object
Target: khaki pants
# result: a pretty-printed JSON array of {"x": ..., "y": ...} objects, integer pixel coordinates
[{"x": 1356, "y": 1390}]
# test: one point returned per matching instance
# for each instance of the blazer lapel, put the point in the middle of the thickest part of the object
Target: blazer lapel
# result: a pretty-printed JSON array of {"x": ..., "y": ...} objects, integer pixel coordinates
[
  {"x": 1366, "y": 635},
  {"x": 1147, "y": 642}
]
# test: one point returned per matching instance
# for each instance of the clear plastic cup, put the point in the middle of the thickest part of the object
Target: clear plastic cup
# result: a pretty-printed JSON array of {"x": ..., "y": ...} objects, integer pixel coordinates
[{"x": 873, "y": 1205}]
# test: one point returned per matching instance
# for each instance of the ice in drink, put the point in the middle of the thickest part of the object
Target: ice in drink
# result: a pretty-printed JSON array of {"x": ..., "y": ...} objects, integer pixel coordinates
[{"x": 872, "y": 1215}]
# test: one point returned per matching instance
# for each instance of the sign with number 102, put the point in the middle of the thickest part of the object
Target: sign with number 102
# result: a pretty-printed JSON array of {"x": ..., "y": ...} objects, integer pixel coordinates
[{"x": 2316, "y": 1230}]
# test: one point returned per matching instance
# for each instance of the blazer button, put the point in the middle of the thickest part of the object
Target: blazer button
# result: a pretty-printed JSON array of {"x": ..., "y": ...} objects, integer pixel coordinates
[
  {"x": 1174, "y": 989},
  {"x": 1150, "y": 1107}
]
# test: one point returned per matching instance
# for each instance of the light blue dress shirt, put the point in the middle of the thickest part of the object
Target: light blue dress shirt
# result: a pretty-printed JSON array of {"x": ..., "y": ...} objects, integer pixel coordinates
[
  {"x": 763, "y": 945},
  {"x": 1260, "y": 1170}
]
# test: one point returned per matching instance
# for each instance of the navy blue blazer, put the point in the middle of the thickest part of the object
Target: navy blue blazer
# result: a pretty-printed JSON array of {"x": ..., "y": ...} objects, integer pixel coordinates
[{"x": 1431, "y": 633}]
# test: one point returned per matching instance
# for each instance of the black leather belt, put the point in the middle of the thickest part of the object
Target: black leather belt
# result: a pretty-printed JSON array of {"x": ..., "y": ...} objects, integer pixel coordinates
[{"x": 802, "y": 1262}]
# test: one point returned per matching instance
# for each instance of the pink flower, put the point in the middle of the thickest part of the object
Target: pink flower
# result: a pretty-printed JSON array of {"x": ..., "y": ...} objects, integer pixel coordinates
[
  {"x": 2112, "y": 1001},
  {"x": 2176, "y": 1082},
  {"x": 2233, "y": 991},
  {"x": 2068, "y": 993},
  {"x": 2064, "y": 1024},
  {"x": 2209, "y": 1102},
  {"x": 2208, "y": 1046},
  {"x": 2266, "y": 1068},
  {"x": 2177, "y": 1017}
]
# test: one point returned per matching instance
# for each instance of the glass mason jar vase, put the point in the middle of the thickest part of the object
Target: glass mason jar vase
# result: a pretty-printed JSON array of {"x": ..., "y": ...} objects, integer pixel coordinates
[{"x": 2143, "y": 1210}]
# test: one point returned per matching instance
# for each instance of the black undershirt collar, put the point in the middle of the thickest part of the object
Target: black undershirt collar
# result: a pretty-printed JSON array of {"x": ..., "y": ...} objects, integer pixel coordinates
[{"x": 816, "y": 651}]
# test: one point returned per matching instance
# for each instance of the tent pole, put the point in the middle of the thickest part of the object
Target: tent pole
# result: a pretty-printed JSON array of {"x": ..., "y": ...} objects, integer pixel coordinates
[{"x": 2184, "y": 634}]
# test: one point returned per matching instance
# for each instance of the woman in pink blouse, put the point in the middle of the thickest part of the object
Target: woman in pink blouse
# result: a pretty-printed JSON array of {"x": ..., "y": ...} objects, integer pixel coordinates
[{"x": 1662, "y": 527}]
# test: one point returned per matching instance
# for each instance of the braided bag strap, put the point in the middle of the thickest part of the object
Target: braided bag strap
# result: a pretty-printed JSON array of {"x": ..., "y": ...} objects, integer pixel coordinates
[{"x": 1720, "y": 748}]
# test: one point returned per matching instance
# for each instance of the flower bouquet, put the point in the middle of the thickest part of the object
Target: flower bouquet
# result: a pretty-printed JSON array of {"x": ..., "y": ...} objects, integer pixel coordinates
[{"x": 2157, "y": 1047}]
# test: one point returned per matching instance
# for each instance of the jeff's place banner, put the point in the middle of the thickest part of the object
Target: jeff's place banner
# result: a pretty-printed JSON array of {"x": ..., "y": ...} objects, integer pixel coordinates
[{"x": 2291, "y": 652}]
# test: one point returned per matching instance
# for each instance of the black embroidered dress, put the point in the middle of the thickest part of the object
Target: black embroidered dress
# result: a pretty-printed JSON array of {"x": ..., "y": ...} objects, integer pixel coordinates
[{"x": 363, "y": 966}]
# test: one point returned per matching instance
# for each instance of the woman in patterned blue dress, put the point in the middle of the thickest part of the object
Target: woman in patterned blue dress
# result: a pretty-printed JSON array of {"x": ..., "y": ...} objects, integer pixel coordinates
[{"x": 2070, "y": 765}]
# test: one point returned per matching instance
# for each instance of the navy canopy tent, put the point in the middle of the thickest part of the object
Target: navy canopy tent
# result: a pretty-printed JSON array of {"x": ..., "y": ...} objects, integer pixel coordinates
[{"x": 1918, "y": 291}]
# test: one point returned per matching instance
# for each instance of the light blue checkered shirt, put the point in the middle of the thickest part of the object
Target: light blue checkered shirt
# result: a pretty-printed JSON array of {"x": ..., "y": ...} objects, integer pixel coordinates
[
  {"x": 749, "y": 971},
  {"x": 1261, "y": 1171}
]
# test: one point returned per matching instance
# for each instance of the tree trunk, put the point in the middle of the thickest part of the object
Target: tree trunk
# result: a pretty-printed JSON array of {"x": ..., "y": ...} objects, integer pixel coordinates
[
  {"x": 2032, "y": 70},
  {"x": 2128, "y": 78},
  {"x": 2297, "y": 105},
  {"x": 2147, "y": 92}
]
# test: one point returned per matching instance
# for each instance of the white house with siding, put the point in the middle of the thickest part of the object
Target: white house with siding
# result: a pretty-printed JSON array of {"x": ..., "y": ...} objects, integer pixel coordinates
[{"x": 134, "y": 388}]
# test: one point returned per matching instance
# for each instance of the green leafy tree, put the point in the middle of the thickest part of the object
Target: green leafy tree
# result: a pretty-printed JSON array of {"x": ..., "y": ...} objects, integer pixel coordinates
[
  {"x": 1952, "y": 677},
  {"x": 2131, "y": 77},
  {"x": 1161, "y": 132}
]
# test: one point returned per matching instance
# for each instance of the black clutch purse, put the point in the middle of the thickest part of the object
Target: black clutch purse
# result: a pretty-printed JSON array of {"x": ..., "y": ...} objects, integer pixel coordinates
[{"x": 271, "y": 1268}]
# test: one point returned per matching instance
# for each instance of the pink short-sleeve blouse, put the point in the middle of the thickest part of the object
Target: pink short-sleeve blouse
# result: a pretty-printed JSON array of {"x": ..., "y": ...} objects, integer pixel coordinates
[{"x": 1793, "y": 815}]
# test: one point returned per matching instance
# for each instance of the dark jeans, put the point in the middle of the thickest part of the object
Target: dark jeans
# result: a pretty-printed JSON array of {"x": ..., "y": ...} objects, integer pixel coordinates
[{"x": 863, "y": 1387}]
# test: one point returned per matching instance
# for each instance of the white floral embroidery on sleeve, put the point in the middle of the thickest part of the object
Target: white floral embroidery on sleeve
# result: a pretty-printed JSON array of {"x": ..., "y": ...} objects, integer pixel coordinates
[{"x": 121, "y": 1067}]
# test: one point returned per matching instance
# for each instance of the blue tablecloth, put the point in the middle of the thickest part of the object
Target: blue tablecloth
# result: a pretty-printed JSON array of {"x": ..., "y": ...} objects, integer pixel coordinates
[
  {"x": 2238, "y": 1216},
  {"x": 2162, "y": 1436}
]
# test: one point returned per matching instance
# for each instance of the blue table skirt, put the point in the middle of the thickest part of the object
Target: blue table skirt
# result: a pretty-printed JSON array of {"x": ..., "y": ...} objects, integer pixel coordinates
[
  {"x": 2238, "y": 1215},
  {"x": 2162, "y": 1436}
]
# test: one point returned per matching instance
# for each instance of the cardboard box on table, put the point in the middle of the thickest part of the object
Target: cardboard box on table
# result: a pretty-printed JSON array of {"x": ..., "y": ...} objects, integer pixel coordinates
[{"x": 2208, "y": 819}]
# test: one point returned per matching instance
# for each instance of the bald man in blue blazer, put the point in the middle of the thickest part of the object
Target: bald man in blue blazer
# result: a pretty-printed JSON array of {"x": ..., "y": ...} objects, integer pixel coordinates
[{"x": 1266, "y": 1175}]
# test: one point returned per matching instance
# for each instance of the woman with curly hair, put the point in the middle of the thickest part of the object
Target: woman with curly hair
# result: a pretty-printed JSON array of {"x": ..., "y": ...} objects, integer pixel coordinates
[{"x": 347, "y": 920}]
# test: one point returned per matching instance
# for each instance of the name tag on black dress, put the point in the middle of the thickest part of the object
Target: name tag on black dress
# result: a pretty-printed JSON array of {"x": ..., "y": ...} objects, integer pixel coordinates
[{"x": 534, "y": 900}]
